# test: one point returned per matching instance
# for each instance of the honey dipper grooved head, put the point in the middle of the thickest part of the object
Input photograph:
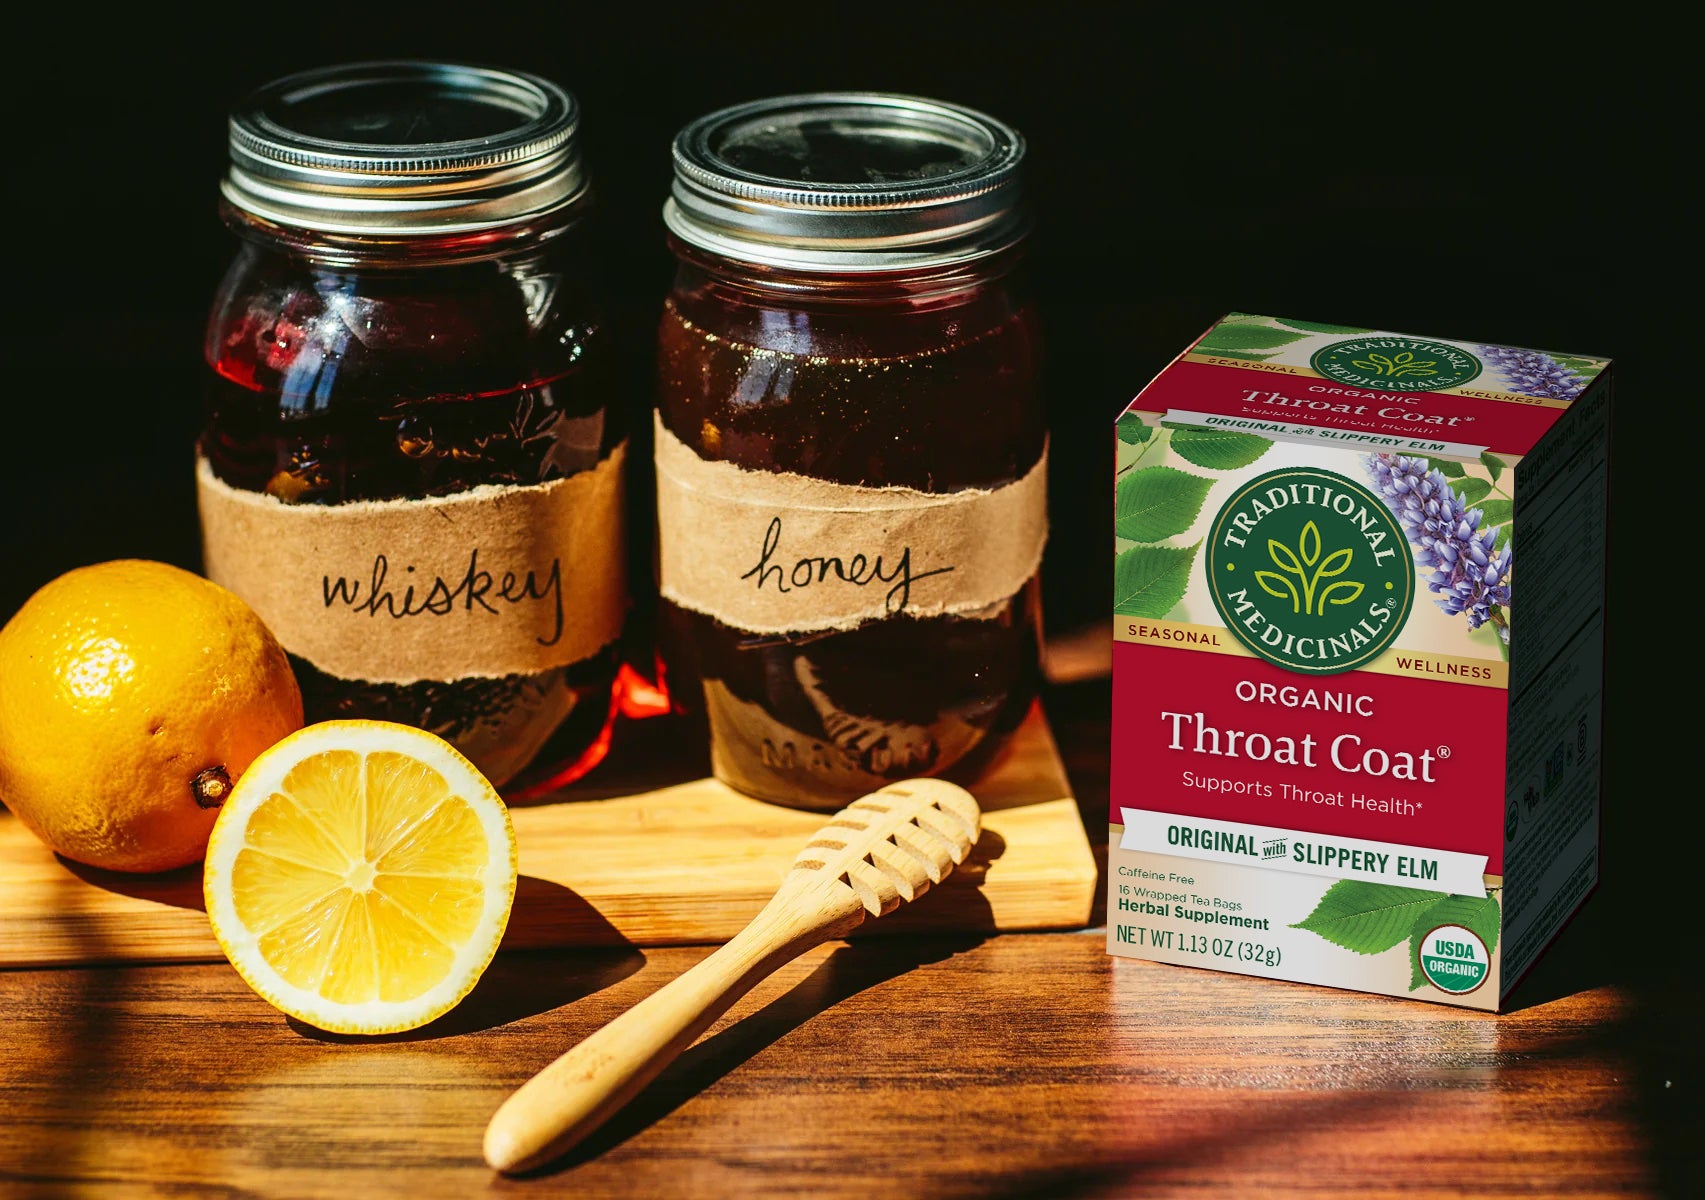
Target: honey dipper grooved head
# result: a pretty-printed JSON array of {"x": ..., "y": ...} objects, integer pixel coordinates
[
  {"x": 889, "y": 847},
  {"x": 880, "y": 850}
]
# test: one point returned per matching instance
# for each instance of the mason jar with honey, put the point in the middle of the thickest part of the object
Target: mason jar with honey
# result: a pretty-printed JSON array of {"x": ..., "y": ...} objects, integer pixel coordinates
[
  {"x": 411, "y": 466},
  {"x": 851, "y": 448}
]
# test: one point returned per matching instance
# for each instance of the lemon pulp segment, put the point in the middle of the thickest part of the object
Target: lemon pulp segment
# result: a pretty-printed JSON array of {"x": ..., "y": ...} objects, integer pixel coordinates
[{"x": 361, "y": 875}]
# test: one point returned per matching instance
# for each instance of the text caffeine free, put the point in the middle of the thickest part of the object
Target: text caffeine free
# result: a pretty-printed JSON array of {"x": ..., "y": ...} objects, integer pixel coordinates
[{"x": 475, "y": 587}]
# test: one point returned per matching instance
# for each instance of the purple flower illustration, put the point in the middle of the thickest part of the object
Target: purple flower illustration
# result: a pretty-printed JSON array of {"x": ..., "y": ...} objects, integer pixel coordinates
[
  {"x": 1531, "y": 373},
  {"x": 1469, "y": 575}
]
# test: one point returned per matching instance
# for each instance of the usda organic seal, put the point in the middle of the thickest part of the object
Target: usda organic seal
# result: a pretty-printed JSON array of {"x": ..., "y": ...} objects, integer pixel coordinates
[{"x": 1454, "y": 959}]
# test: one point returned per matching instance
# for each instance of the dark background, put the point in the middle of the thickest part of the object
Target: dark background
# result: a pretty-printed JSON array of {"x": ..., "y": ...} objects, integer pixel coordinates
[
  {"x": 1442, "y": 176},
  {"x": 1436, "y": 171}
]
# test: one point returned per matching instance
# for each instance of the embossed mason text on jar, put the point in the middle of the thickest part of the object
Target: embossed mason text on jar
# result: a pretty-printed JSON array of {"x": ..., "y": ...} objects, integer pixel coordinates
[
  {"x": 410, "y": 466},
  {"x": 851, "y": 450}
]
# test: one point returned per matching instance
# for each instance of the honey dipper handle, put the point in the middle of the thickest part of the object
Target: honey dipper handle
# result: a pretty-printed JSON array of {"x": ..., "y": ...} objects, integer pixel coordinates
[{"x": 581, "y": 1090}]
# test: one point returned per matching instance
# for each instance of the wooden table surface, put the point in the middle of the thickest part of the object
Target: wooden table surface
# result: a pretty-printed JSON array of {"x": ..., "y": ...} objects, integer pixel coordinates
[{"x": 1027, "y": 1065}]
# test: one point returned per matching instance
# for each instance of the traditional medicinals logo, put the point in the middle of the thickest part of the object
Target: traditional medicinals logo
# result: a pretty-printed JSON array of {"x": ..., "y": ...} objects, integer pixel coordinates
[
  {"x": 1310, "y": 570},
  {"x": 1396, "y": 364}
]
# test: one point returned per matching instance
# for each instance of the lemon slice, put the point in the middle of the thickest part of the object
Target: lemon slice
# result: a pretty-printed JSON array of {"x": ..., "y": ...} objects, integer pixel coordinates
[{"x": 360, "y": 876}]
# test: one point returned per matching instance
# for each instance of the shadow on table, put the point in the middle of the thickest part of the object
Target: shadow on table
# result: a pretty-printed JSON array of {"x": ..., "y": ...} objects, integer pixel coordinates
[
  {"x": 958, "y": 905},
  {"x": 851, "y": 969},
  {"x": 1081, "y": 717},
  {"x": 1629, "y": 935},
  {"x": 180, "y": 888},
  {"x": 1662, "y": 1041},
  {"x": 1272, "y": 1121},
  {"x": 1275, "y": 1121},
  {"x": 519, "y": 983},
  {"x": 1635, "y": 934},
  {"x": 78, "y": 1062},
  {"x": 1630, "y": 938}
]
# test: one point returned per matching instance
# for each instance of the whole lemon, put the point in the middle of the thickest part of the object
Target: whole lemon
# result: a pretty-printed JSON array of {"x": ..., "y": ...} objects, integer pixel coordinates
[{"x": 132, "y": 695}]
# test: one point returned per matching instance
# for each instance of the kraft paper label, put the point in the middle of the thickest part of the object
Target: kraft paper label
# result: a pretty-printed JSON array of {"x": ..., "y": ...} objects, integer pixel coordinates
[
  {"x": 494, "y": 581},
  {"x": 777, "y": 552}
]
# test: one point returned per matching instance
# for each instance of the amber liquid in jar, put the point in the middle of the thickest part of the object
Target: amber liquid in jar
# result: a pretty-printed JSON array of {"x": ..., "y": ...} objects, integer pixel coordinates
[
  {"x": 380, "y": 381},
  {"x": 923, "y": 381}
]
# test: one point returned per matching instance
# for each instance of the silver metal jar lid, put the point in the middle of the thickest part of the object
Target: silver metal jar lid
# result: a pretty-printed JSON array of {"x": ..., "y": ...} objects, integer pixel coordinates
[
  {"x": 401, "y": 148},
  {"x": 847, "y": 181}
]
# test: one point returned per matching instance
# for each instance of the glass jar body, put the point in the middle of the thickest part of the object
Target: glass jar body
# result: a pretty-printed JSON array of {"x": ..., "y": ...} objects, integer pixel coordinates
[
  {"x": 350, "y": 371},
  {"x": 924, "y": 382}
]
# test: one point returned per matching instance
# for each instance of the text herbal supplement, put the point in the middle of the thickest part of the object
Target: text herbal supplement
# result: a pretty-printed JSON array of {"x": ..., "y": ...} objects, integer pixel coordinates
[{"x": 1338, "y": 756}]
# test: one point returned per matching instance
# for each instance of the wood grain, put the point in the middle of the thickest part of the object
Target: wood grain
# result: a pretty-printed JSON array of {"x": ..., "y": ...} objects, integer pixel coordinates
[
  {"x": 1023, "y": 1066},
  {"x": 686, "y": 862},
  {"x": 881, "y": 851}
]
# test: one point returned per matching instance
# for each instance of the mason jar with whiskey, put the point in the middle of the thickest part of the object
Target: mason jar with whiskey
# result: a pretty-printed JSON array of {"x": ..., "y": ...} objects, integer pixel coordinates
[{"x": 411, "y": 466}]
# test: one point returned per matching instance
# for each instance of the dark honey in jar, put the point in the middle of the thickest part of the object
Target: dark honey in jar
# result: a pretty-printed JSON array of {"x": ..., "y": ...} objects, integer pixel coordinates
[
  {"x": 410, "y": 466},
  {"x": 850, "y": 445}
]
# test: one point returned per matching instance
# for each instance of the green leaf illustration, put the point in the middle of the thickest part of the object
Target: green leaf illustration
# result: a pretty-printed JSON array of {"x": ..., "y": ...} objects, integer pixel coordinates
[
  {"x": 1503, "y": 537},
  {"x": 1320, "y": 326},
  {"x": 1472, "y": 490},
  {"x": 1497, "y": 512},
  {"x": 1285, "y": 558},
  {"x": 1368, "y": 917},
  {"x": 1217, "y": 449},
  {"x": 1494, "y": 464},
  {"x": 1397, "y": 367},
  {"x": 1344, "y": 591},
  {"x": 1447, "y": 468},
  {"x": 1309, "y": 544},
  {"x": 1239, "y": 354},
  {"x": 1245, "y": 337},
  {"x": 1149, "y": 580},
  {"x": 1478, "y": 913},
  {"x": 1302, "y": 593},
  {"x": 1157, "y": 502},
  {"x": 1336, "y": 563},
  {"x": 1277, "y": 585},
  {"x": 1131, "y": 429}
]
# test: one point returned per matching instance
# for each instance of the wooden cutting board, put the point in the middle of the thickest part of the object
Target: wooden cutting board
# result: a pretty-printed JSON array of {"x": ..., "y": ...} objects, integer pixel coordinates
[{"x": 626, "y": 857}]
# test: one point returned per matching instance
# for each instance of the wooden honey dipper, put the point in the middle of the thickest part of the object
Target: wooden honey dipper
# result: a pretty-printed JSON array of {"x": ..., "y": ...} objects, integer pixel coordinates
[{"x": 880, "y": 851}]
